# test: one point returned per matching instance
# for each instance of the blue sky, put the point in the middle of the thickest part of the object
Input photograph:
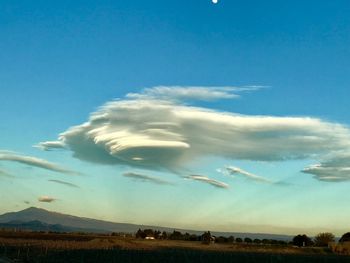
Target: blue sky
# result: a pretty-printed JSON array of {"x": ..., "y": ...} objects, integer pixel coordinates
[{"x": 61, "y": 61}]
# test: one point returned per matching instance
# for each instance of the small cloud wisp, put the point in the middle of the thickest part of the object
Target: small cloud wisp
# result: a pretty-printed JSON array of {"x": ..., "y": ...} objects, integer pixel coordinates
[
  {"x": 232, "y": 170},
  {"x": 63, "y": 183},
  {"x": 205, "y": 179},
  {"x": 146, "y": 178},
  {"x": 46, "y": 199},
  {"x": 35, "y": 162}
]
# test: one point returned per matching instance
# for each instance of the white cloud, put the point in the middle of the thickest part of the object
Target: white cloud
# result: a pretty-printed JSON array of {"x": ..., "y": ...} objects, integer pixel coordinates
[
  {"x": 164, "y": 134},
  {"x": 232, "y": 170},
  {"x": 146, "y": 178},
  {"x": 46, "y": 199},
  {"x": 49, "y": 145},
  {"x": 180, "y": 93},
  {"x": 334, "y": 167},
  {"x": 33, "y": 161},
  {"x": 207, "y": 180}
]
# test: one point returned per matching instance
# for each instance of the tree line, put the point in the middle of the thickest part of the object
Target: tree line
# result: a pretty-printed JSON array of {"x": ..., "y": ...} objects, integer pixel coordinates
[
  {"x": 206, "y": 237},
  {"x": 301, "y": 240}
]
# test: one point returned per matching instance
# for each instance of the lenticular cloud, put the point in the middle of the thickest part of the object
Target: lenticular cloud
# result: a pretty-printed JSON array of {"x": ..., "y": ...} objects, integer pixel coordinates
[{"x": 160, "y": 134}]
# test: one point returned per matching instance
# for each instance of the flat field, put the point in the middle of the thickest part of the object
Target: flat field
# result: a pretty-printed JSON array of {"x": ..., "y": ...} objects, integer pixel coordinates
[{"x": 51, "y": 247}]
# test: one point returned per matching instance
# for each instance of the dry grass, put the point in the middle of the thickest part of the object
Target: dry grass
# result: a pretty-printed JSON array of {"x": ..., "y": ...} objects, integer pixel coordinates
[
  {"x": 78, "y": 242},
  {"x": 57, "y": 248}
]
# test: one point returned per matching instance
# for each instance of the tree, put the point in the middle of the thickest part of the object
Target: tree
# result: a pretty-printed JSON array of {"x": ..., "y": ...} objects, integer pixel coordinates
[
  {"x": 231, "y": 239},
  {"x": 248, "y": 240},
  {"x": 194, "y": 237},
  {"x": 149, "y": 232},
  {"x": 176, "y": 235},
  {"x": 322, "y": 239},
  {"x": 273, "y": 242},
  {"x": 157, "y": 234},
  {"x": 206, "y": 237},
  {"x": 186, "y": 236},
  {"x": 265, "y": 241},
  {"x": 164, "y": 235},
  {"x": 140, "y": 234},
  {"x": 221, "y": 239},
  {"x": 239, "y": 240},
  {"x": 257, "y": 241},
  {"x": 302, "y": 241},
  {"x": 345, "y": 237}
]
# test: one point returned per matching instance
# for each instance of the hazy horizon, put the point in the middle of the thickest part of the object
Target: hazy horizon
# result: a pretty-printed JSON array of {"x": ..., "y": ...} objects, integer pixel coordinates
[
  {"x": 226, "y": 116},
  {"x": 235, "y": 228}
]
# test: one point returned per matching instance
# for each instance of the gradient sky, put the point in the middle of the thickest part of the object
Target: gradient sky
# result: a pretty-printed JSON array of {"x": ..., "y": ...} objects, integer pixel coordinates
[{"x": 265, "y": 60}]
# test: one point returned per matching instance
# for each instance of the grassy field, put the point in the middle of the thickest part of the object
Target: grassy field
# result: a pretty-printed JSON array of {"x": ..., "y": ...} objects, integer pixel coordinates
[{"x": 49, "y": 247}]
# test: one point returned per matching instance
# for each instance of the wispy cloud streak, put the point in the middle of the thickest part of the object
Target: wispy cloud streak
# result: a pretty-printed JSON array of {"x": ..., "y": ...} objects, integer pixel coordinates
[
  {"x": 50, "y": 145},
  {"x": 180, "y": 93},
  {"x": 146, "y": 178},
  {"x": 207, "y": 180},
  {"x": 33, "y": 161},
  {"x": 232, "y": 170},
  {"x": 63, "y": 183}
]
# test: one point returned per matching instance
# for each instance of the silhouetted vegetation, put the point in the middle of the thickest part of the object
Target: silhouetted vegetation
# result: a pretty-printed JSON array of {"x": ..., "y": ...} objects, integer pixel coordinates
[
  {"x": 248, "y": 240},
  {"x": 302, "y": 241},
  {"x": 345, "y": 237},
  {"x": 176, "y": 235},
  {"x": 221, "y": 239},
  {"x": 343, "y": 246},
  {"x": 257, "y": 241},
  {"x": 323, "y": 239},
  {"x": 239, "y": 240},
  {"x": 207, "y": 238}
]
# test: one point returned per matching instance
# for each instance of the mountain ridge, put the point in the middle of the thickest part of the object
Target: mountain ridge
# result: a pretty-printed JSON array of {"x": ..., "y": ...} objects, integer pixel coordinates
[
  {"x": 36, "y": 225},
  {"x": 94, "y": 225}
]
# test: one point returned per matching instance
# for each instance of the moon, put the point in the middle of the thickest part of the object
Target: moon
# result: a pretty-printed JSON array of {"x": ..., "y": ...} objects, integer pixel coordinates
[{"x": 215, "y": 1}]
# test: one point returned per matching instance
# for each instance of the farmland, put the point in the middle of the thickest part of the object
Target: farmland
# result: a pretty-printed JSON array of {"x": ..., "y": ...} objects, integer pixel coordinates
[{"x": 75, "y": 247}]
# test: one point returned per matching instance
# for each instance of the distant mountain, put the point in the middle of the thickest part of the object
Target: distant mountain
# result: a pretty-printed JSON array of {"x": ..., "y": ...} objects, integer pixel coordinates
[
  {"x": 53, "y": 218},
  {"x": 38, "y": 219},
  {"x": 40, "y": 226}
]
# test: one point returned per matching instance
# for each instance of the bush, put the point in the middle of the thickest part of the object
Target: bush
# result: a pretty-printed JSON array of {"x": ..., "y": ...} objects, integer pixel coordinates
[
  {"x": 257, "y": 241},
  {"x": 206, "y": 238},
  {"x": 322, "y": 239},
  {"x": 248, "y": 240},
  {"x": 239, "y": 240},
  {"x": 302, "y": 241},
  {"x": 345, "y": 237}
]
